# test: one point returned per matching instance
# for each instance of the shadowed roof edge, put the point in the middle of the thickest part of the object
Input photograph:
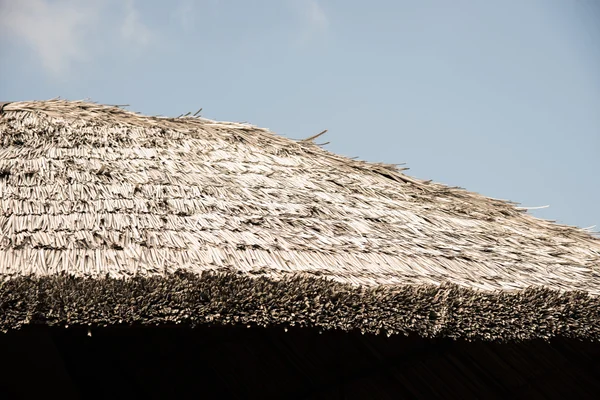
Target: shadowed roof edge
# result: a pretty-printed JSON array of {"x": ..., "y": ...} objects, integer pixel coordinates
[{"x": 301, "y": 301}]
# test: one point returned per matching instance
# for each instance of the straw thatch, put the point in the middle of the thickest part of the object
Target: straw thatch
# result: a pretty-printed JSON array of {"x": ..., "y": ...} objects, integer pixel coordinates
[{"x": 109, "y": 217}]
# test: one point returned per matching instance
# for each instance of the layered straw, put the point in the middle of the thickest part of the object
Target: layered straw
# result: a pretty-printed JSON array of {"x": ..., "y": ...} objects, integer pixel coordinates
[{"x": 95, "y": 200}]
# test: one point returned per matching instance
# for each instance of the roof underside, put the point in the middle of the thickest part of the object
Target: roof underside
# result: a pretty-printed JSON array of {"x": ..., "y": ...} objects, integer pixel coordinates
[
  {"x": 95, "y": 191},
  {"x": 298, "y": 364}
]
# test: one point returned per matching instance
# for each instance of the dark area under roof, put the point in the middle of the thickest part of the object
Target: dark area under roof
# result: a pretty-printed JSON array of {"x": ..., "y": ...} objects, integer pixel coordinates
[{"x": 241, "y": 363}]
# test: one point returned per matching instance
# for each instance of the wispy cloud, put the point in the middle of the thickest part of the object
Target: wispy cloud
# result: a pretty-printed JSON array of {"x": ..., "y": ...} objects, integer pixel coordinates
[
  {"x": 189, "y": 14},
  {"x": 315, "y": 20},
  {"x": 184, "y": 13},
  {"x": 54, "y": 30},
  {"x": 316, "y": 16},
  {"x": 60, "y": 31},
  {"x": 133, "y": 29}
]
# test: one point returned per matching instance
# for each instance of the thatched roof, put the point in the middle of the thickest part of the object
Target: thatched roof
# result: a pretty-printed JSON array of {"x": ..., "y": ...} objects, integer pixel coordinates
[{"x": 111, "y": 217}]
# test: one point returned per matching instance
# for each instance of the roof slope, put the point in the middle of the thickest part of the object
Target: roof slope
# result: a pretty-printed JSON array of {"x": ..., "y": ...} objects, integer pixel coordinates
[{"x": 96, "y": 191}]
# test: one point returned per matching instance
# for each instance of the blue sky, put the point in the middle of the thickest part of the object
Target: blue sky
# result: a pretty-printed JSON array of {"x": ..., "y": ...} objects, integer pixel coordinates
[{"x": 498, "y": 97}]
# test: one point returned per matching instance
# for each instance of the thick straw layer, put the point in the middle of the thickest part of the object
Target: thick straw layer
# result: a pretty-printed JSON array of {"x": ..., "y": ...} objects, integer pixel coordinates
[{"x": 95, "y": 191}]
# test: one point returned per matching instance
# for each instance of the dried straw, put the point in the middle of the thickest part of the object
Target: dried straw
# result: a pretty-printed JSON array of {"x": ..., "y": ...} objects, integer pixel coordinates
[{"x": 93, "y": 191}]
